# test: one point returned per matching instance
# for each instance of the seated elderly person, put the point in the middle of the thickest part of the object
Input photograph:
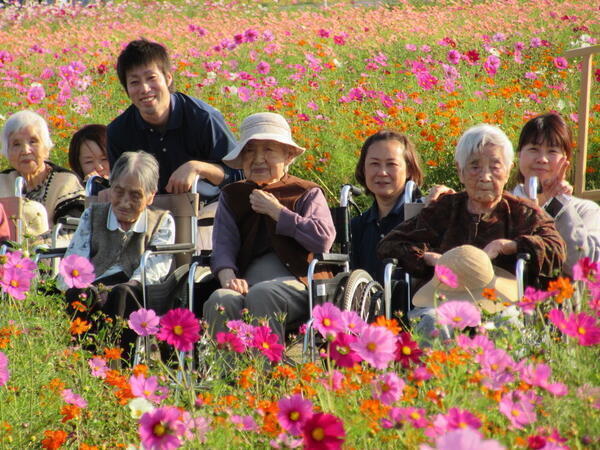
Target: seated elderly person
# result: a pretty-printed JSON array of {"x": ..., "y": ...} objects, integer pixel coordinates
[
  {"x": 26, "y": 143},
  {"x": 266, "y": 231},
  {"x": 484, "y": 216},
  {"x": 113, "y": 236}
]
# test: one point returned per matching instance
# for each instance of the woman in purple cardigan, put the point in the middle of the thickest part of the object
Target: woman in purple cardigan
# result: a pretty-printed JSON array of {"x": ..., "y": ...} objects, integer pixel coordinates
[{"x": 266, "y": 230}]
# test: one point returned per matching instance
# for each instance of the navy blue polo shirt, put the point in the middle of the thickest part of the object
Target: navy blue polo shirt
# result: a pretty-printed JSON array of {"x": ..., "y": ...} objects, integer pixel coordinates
[
  {"x": 367, "y": 230},
  {"x": 195, "y": 132}
]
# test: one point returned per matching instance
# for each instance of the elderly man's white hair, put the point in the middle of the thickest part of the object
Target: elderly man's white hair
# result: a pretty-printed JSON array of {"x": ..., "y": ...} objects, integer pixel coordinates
[
  {"x": 24, "y": 119},
  {"x": 477, "y": 137}
]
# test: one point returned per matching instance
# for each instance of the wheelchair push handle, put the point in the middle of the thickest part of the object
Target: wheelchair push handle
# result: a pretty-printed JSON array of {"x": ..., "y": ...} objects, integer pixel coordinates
[
  {"x": 409, "y": 189},
  {"x": 532, "y": 187},
  {"x": 348, "y": 191}
]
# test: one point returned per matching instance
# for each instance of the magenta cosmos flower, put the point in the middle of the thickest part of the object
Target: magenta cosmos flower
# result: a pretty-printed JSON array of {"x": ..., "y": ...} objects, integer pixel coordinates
[
  {"x": 407, "y": 350},
  {"x": 293, "y": 413},
  {"x": 323, "y": 432},
  {"x": 341, "y": 353},
  {"x": 144, "y": 322},
  {"x": 376, "y": 345},
  {"x": 179, "y": 328},
  {"x": 267, "y": 343},
  {"x": 583, "y": 327},
  {"x": 387, "y": 388},
  {"x": 231, "y": 342},
  {"x": 16, "y": 260},
  {"x": 148, "y": 388},
  {"x": 585, "y": 269},
  {"x": 162, "y": 428},
  {"x": 455, "y": 419},
  {"x": 446, "y": 276},
  {"x": 464, "y": 439},
  {"x": 327, "y": 319},
  {"x": 73, "y": 399},
  {"x": 4, "y": 373},
  {"x": 77, "y": 271},
  {"x": 518, "y": 408},
  {"x": 458, "y": 314},
  {"x": 539, "y": 376},
  {"x": 15, "y": 283}
]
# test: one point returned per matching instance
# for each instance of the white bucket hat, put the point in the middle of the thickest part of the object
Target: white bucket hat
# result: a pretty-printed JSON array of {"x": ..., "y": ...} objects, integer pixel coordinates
[
  {"x": 262, "y": 126},
  {"x": 474, "y": 272}
]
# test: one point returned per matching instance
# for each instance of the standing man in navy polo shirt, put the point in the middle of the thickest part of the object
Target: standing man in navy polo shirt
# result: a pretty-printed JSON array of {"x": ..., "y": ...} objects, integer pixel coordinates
[{"x": 187, "y": 136}]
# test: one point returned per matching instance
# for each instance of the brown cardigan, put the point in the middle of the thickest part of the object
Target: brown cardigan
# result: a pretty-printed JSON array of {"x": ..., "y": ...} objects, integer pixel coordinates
[
  {"x": 447, "y": 223},
  {"x": 251, "y": 225}
]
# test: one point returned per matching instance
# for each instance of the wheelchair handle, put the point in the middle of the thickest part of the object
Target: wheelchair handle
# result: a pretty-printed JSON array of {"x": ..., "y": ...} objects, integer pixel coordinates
[
  {"x": 409, "y": 188},
  {"x": 348, "y": 190},
  {"x": 532, "y": 186}
]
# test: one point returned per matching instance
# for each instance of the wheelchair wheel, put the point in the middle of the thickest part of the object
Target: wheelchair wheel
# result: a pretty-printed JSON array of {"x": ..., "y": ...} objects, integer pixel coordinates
[{"x": 361, "y": 295}]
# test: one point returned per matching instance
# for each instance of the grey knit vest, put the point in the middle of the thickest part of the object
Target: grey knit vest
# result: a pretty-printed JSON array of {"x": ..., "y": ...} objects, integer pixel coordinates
[{"x": 115, "y": 247}]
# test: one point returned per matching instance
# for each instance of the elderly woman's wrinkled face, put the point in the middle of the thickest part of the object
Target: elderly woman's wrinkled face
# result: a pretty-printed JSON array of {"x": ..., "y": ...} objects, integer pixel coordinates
[
  {"x": 485, "y": 174},
  {"x": 26, "y": 151},
  {"x": 128, "y": 199},
  {"x": 264, "y": 161}
]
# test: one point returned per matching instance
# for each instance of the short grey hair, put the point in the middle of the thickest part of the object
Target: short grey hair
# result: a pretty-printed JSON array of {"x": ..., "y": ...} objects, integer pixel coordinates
[
  {"x": 24, "y": 119},
  {"x": 477, "y": 137},
  {"x": 141, "y": 164}
]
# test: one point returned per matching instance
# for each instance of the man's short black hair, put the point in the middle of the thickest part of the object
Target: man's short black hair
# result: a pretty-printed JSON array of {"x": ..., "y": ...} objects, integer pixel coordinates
[{"x": 142, "y": 52}]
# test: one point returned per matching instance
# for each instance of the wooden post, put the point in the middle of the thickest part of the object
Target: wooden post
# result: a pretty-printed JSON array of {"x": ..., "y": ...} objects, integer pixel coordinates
[{"x": 584, "y": 119}]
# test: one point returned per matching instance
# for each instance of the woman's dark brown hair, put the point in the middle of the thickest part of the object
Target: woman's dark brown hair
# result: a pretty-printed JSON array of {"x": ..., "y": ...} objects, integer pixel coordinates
[
  {"x": 550, "y": 129},
  {"x": 413, "y": 162},
  {"x": 95, "y": 133}
]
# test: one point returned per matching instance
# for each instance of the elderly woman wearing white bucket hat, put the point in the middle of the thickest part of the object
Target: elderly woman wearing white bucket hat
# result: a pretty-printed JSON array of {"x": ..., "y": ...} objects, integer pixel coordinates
[{"x": 267, "y": 229}]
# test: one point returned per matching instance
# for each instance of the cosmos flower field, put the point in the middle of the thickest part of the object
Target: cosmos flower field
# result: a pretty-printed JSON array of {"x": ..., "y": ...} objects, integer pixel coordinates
[{"x": 428, "y": 68}]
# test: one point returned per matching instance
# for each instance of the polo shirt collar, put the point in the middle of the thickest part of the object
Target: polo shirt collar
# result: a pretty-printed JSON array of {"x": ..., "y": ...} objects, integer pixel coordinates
[
  {"x": 373, "y": 212},
  {"x": 175, "y": 115},
  {"x": 138, "y": 227}
]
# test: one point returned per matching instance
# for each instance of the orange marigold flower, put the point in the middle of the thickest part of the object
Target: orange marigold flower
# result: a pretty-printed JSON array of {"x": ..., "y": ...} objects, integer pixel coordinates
[
  {"x": 79, "y": 326},
  {"x": 69, "y": 412},
  {"x": 245, "y": 380},
  {"x": 87, "y": 447},
  {"x": 140, "y": 369},
  {"x": 563, "y": 287},
  {"x": 56, "y": 385},
  {"x": 390, "y": 324},
  {"x": 436, "y": 396},
  {"x": 284, "y": 372},
  {"x": 113, "y": 353},
  {"x": 490, "y": 294},
  {"x": 78, "y": 306},
  {"x": 374, "y": 409},
  {"x": 309, "y": 370},
  {"x": 54, "y": 439}
]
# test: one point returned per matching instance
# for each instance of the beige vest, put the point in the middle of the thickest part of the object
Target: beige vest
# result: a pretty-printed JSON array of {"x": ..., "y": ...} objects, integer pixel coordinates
[{"x": 109, "y": 248}]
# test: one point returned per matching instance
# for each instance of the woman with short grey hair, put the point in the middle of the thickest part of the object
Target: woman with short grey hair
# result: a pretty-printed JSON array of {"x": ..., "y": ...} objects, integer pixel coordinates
[
  {"x": 26, "y": 143},
  {"x": 114, "y": 236},
  {"x": 476, "y": 138}
]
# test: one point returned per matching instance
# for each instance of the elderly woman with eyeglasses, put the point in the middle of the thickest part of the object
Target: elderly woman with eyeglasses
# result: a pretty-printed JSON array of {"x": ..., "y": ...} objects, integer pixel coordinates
[
  {"x": 26, "y": 143},
  {"x": 267, "y": 228},
  {"x": 483, "y": 215}
]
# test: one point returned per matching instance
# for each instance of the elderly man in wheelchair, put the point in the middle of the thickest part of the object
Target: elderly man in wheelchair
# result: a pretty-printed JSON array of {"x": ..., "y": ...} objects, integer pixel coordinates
[
  {"x": 484, "y": 216},
  {"x": 267, "y": 229},
  {"x": 114, "y": 235}
]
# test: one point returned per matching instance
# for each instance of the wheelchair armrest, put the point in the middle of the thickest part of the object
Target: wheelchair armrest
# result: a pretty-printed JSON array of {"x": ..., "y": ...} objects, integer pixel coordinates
[
  {"x": 332, "y": 257},
  {"x": 70, "y": 221},
  {"x": 171, "y": 248},
  {"x": 48, "y": 253},
  {"x": 524, "y": 256},
  {"x": 203, "y": 258}
]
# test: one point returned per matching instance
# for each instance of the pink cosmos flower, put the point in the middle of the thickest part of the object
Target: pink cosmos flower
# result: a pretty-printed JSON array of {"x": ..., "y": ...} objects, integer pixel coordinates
[
  {"x": 333, "y": 381},
  {"x": 263, "y": 68},
  {"x": 242, "y": 329},
  {"x": 497, "y": 367},
  {"x": 387, "y": 388},
  {"x": 458, "y": 314},
  {"x": 148, "y": 388},
  {"x": 376, "y": 345},
  {"x": 557, "y": 317},
  {"x": 399, "y": 416},
  {"x": 535, "y": 42},
  {"x": 455, "y": 419},
  {"x": 339, "y": 40},
  {"x": 583, "y": 327},
  {"x": 560, "y": 63},
  {"x": 244, "y": 423},
  {"x": 285, "y": 441},
  {"x": 323, "y": 432},
  {"x": 144, "y": 322},
  {"x": 421, "y": 374},
  {"x": 323, "y": 33},
  {"x": 518, "y": 408},
  {"x": 231, "y": 342},
  {"x": 530, "y": 75},
  {"x": 453, "y": 56},
  {"x": 341, "y": 353},
  {"x": 491, "y": 65},
  {"x": 531, "y": 297},
  {"x": 15, "y": 282},
  {"x": 539, "y": 376},
  {"x": 407, "y": 350},
  {"x": 98, "y": 366},
  {"x": 195, "y": 427},
  {"x": 267, "y": 343},
  {"x": 35, "y": 93},
  {"x": 327, "y": 319},
  {"x": 244, "y": 94},
  {"x": 446, "y": 276},
  {"x": 73, "y": 399},
  {"x": 463, "y": 439},
  {"x": 293, "y": 413},
  {"x": 179, "y": 328},
  {"x": 162, "y": 428},
  {"x": 16, "y": 260},
  {"x": 4, "y": 373},
  {"x": 352, "y": 322},
  {"x": 77, "y": 271},
  {"x": 585, "y": 269}
]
